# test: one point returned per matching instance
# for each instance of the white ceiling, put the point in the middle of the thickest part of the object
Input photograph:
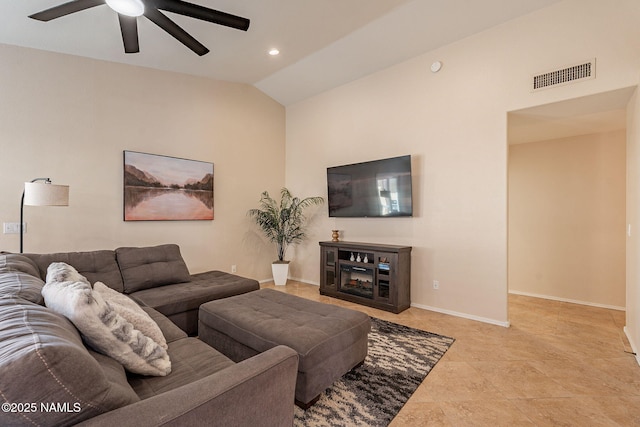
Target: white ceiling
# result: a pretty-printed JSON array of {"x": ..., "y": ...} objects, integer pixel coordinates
[
  {"x": 603, "y": 112},
  {"x": 323, "y": 43}
]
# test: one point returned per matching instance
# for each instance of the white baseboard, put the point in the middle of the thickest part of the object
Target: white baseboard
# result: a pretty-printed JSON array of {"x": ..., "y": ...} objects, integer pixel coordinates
[
  {"x": 437, "y": 310},
  {"x": 463, "y": 315},
  {"x": 572, "y": 301},
  {"x": 305, "y": 281},
  {"x": 632, "y": 344},
  {"x": 290, "y": 278}
]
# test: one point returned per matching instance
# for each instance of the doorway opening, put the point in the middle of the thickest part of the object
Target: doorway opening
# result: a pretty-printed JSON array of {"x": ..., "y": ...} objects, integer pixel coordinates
[{"x": 567, "y": 200}]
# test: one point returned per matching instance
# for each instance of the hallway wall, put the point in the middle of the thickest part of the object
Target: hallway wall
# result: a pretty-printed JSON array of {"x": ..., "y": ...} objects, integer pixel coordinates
[{"x": 567, "y": 219}]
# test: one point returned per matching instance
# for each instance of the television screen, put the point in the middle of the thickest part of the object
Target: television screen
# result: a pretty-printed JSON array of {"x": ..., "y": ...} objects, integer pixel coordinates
[{"x": 379, "y": 188}]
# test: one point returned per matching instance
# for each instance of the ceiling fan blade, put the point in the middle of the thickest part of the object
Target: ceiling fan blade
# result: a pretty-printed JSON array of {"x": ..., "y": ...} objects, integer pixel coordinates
[
  {"x": 203, "y": 13},
  {"x": 172, "y": 28},
  {"x": 65, "y": 9},
  {"x": 129, "y": 30}
]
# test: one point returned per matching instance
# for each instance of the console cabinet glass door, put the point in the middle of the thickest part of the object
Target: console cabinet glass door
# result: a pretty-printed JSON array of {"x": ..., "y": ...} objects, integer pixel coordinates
[
  {"x": 385, "y": 264},
  {"x": 328, "y": 268}
]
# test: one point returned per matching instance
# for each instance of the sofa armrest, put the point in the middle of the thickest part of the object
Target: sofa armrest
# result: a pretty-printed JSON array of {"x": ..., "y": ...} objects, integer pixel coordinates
[{"x": 257, "y": 391}]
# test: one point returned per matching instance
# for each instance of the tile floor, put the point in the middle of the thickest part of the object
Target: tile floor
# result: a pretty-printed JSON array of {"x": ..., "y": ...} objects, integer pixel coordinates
[{"x": 559, "y": 364}]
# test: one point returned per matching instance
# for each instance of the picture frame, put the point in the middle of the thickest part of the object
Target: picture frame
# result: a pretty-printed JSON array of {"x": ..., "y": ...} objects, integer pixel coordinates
[{"x": 164, "y": 188}]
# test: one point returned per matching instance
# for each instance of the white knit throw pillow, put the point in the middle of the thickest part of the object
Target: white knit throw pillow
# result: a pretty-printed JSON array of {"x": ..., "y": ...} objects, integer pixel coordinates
[
  {"x": 130, "y": 310},
  {"x": 103, "y": 328}
]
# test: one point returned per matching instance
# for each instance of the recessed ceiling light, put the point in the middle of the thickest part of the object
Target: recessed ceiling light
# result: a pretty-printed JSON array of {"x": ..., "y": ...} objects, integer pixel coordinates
[
  {"x": 127, "y": 7},
  {"x": 274, "y": 52}
]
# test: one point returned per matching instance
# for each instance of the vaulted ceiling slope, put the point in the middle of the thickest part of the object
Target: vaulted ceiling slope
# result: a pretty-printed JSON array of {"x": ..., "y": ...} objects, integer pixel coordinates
[{"x": 323, "y": 43}]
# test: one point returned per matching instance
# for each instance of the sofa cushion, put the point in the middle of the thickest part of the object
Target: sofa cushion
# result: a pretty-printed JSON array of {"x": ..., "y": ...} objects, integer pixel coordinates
[
  {"x": 169, "y": 329},
  {"x": 114, "y": 374},
  {"x": 104, "y": 329},
  {"x": 18, "y": 262},
  {"x": 201, "y": 288},
  {"x": 43, "y": 360},
  {"x": 149, "y": 267},
  {"x": 96, "y": 266},
  {"x": 191, "y": 360},
  {"x": 19, "y": 278}
]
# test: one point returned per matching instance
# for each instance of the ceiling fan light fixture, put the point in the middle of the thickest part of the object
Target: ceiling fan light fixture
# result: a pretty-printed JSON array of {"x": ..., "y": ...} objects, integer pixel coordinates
[
  {"x": 129, "y": 10},
  {"x": 127, "y": 7}
]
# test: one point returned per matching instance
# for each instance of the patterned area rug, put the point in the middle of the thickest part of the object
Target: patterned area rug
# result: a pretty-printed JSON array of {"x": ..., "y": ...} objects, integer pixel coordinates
[{"x": 399, "y": 360}]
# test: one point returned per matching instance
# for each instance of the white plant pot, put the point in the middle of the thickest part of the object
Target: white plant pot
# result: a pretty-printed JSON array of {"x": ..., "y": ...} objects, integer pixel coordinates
[{"x": 280, "y": 272}]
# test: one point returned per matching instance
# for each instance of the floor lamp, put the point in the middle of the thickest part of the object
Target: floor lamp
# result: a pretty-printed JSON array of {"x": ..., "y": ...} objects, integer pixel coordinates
[{"x": 41, "y": 194}]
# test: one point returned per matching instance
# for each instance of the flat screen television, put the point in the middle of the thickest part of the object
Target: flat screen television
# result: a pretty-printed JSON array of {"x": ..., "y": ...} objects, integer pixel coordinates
[{"x": 379, "y": 188}]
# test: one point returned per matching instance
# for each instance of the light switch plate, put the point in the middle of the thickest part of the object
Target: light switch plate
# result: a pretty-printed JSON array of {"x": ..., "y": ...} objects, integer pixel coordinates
[{"x": 13, "y": 227}]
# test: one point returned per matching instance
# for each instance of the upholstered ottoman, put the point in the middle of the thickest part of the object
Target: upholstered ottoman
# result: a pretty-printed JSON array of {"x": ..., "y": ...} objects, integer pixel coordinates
[{"x": 329, "y": 340}]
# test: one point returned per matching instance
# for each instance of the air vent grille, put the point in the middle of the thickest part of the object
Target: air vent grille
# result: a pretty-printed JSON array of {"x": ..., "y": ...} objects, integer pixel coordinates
[{"x": 571, "y": 74}]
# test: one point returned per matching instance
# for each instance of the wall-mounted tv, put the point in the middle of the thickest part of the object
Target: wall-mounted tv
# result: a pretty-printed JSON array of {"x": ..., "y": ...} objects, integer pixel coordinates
[{"x": 379, "y": 188}]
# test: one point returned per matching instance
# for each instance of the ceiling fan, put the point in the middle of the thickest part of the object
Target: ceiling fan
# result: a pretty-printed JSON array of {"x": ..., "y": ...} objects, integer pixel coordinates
[{"x": 129, "y": 10}]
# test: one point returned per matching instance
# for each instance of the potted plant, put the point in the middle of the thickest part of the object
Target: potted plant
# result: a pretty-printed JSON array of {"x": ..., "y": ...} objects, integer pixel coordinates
[{"x": 284, "y": 224}]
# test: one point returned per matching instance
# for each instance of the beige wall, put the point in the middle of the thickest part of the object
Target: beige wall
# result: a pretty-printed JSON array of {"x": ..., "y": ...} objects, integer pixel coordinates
[
  {"x": 632, "y": 327},
  {"x": 567, "y": 219},
  {"x": 454, "y": 124},
  {"x": 70, "y": 119}
]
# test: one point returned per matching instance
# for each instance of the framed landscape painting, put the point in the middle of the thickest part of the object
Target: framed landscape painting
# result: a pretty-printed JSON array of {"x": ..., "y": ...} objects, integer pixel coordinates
[{"x": 162, "y": 188}]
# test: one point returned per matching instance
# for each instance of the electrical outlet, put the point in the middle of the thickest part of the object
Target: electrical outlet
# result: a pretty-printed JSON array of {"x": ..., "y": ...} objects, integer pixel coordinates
[
  {"x": 13, "y": 227},
  {"x": 234, "y": 268},
  {"x": 436, "y": 284}
]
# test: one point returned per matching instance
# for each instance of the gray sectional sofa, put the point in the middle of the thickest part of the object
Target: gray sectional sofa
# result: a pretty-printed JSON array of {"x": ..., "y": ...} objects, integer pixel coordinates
[
  {"x": 49, "y": 377},
  {"x": 155, "y": 277}
]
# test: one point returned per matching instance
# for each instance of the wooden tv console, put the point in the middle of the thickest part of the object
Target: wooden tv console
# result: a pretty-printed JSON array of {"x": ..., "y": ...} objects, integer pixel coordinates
[{"x": 367, "y": 273}]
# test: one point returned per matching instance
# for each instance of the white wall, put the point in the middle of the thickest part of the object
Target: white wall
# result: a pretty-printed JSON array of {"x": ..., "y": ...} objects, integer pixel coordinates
[
  {"x": 567, "y": 219},
  {"x": 454, "y": 124},
  {"x": 70, "y": 118}
]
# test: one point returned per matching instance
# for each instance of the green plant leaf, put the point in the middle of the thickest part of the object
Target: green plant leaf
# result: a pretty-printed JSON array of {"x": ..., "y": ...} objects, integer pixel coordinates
[{"x": 283, "y": 223}]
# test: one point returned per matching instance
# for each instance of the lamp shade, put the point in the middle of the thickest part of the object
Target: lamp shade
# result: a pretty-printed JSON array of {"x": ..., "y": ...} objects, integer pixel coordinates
[{"x": 42, "y": 194}]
